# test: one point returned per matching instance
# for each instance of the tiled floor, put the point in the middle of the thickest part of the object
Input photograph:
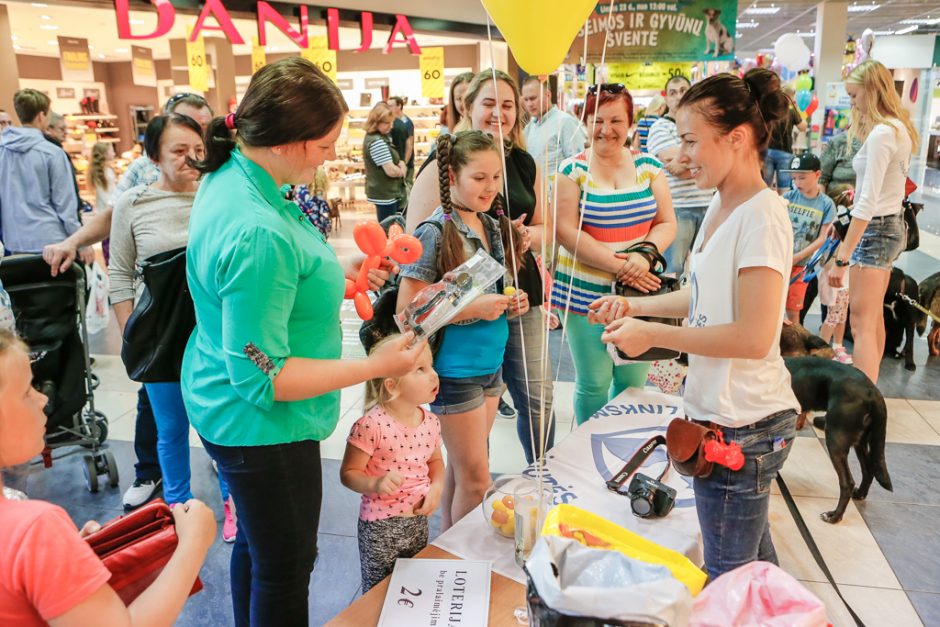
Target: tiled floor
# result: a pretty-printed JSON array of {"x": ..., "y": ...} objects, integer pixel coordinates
[{"x": 883, "y": 554}]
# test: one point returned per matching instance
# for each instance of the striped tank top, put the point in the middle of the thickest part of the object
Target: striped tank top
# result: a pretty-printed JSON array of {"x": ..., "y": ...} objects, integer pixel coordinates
[{"x": 613, "y": 217}]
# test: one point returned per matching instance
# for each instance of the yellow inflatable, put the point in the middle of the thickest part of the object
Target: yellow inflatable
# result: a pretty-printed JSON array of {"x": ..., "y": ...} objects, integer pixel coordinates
[
  {"x": 539, "y": 32},
  {"x": 591, "y": 530}
]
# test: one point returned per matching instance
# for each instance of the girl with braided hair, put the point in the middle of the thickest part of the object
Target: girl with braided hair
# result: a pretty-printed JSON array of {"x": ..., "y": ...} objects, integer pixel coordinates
[{"x": 470, "y": 357}]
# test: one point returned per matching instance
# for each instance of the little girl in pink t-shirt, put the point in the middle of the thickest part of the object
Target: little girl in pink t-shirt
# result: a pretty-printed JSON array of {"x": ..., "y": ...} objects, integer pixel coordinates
[{"x": 393, "y": 458}]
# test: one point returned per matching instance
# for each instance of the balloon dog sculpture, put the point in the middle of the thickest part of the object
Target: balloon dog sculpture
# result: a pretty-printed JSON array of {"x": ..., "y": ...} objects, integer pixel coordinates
[{"x": 372, "y": 240}]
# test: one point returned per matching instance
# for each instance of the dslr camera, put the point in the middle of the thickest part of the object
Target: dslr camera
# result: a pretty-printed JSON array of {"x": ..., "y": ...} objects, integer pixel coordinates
[{"x": 650, "y": 498}]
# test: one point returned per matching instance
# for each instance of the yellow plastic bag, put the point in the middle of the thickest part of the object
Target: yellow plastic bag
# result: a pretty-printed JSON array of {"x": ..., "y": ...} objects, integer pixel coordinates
[{"x": 594, "y": 531}]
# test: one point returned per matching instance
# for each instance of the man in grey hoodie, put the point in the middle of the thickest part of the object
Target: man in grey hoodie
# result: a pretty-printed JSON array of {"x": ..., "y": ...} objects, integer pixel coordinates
[{"x": 37, "y": 195}]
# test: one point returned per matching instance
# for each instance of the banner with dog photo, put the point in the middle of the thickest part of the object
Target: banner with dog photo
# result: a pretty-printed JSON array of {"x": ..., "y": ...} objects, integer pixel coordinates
[
  {"x": 695, "y": 30},
  {"x": 577, "y": 470}
]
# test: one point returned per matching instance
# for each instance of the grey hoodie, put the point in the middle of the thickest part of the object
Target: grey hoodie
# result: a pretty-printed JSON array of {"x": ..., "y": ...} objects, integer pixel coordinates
[{"x": 37, "y": 192}]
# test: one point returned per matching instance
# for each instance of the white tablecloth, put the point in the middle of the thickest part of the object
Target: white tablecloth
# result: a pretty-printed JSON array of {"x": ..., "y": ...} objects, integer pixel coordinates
[{"x": 577, "y": 469}]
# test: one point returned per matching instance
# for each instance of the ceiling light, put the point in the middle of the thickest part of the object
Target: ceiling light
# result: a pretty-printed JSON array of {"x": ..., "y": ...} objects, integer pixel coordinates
[
  {"x": 925, "y": 21},
  {"x": 738, "y": 35},
  {"x": 745, "y": 25},
  {"x": 46, "y": 17},
  {"x": 15, "y": 37},
  {"x": 863, "y": 8},
  {"x": 137, "y": 22},
  {"x": 101, "y": 55},
  {"x": 812, "y": 34},
  {"x": 120, "y": 50},
  {"x": 17, "y": 47},
  {"x": 883, "y": 33},
  {"x": 49, "y": 27},
  {"x": 907, "y": 30},
  {"x": 39, "y": 5},
  {"x": 755, "y": 10},
  {"x": 52, "y": 42}
]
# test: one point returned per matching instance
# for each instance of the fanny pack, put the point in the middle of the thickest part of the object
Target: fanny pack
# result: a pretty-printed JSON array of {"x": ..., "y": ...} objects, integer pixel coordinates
[{"x": 685, "y": 445}]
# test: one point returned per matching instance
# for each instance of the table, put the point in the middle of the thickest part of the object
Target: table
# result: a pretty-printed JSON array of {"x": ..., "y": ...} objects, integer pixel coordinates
[
  {"x": 576, "y": 469},
  {"x": 505, "y": 596}
]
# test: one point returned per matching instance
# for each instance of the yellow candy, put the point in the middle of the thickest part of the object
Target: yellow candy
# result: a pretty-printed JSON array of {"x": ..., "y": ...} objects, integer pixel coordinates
[{"x": 509, "y": 291}]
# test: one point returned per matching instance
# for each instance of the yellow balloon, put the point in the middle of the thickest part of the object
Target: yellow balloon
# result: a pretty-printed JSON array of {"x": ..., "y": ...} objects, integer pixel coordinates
[{"x": 539, "y": 32}]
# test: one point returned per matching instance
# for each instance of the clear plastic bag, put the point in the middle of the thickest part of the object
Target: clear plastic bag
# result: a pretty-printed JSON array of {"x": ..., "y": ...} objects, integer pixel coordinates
[
  {"x": 438, "y": 304},
  {"x": 758, "y": 593}
]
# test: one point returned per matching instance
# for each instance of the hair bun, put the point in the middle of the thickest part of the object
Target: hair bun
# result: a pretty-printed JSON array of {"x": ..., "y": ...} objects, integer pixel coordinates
[{"x": 764, "y": 86}]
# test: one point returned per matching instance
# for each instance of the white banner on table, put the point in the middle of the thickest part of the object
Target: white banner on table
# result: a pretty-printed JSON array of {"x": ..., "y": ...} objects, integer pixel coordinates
[
  {"x": 437, "y": 592},
  {"x": 577, "y": 470}
]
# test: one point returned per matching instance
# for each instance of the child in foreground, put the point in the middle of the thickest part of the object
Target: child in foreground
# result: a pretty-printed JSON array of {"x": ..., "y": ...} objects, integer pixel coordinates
[{"x": 393, "y": 458}]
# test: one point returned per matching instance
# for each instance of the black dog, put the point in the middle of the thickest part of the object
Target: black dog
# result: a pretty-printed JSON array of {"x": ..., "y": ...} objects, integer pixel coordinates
[
  {"x": 901, "y": 317},
  {"x": 856, "y": 416}
]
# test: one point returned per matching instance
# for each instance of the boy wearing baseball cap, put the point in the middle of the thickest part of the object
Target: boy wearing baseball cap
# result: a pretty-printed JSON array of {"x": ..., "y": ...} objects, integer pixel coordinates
[{"x": 810, "y": 212}]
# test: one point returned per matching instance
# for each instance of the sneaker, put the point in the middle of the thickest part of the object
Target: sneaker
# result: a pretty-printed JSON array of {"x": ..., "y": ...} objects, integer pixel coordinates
[
  {"x": 229, "y": 525},
  {"x": 141, "y": 492},
  {"x": 841, "y": 355},
  {"x": 505, "y": 410}
]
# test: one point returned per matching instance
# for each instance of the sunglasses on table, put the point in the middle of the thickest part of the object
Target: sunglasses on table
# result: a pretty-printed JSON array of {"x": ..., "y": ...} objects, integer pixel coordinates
[{"x": 610, "y": 88}]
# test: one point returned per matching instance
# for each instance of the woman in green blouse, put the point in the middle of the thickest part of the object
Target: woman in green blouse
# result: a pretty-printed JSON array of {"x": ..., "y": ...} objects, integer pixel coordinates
[{"x": 263, "y": 369}]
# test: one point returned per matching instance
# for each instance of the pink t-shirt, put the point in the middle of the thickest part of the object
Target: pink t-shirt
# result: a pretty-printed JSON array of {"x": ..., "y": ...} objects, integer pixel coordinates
[
  {"x": 393, "y": 446},
  {"x": 46, "y": 569}
]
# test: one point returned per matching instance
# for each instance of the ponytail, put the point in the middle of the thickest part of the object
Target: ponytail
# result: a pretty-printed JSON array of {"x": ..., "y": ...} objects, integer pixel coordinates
[
  {"x": 451, "y": 254},
  {"x": 512, "y": 238},
  {"x": 219, "y": 146}
]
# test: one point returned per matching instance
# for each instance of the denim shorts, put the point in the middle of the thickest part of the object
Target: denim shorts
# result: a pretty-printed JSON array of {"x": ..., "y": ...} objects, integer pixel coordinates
[
  {"x": 882, "y": 242},
  {"x": 457, "y": 396}
]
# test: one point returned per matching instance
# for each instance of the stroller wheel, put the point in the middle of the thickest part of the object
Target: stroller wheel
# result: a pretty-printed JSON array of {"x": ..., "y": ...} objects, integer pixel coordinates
[
  {"x": 112, "y": 467},
  {"x": 90, "y": 469},
  {"x": 96, "y": 428}
]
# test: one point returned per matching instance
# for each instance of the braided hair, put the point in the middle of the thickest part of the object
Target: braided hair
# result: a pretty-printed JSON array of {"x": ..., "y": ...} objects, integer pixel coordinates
[{"x": 454, "y": 152}]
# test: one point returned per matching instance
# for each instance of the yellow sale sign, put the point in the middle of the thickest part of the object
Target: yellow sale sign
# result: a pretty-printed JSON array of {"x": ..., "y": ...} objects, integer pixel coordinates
[
  {"x": 258, "y": 58},
  {"x": 196, "y": 60},
  {"x": 319, "y": 53},
  {"x": 431, "y": 64}
]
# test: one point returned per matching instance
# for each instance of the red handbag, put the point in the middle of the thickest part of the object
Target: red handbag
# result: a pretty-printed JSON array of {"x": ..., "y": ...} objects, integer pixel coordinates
[{"x": 135, "y": 548}]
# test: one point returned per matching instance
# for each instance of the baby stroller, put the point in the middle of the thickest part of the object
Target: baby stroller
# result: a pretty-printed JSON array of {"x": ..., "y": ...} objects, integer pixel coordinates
[{"x": 50, "y": 317}]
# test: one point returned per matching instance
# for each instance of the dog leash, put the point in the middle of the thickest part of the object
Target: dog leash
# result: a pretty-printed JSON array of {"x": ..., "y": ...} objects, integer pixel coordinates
[
  {"x": 811, "y": 545},
  {"x": 913, "y": 303}
]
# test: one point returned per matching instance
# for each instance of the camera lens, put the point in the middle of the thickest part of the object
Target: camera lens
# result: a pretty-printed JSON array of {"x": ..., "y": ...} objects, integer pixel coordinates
[{"x": 642, "y": 503}]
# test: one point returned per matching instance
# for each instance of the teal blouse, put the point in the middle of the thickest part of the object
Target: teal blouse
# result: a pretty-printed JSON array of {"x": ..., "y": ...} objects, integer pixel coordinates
[{"x": 266, "y": 286}]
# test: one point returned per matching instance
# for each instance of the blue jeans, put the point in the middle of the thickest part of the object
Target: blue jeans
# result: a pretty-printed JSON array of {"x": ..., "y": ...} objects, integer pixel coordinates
[
  {"x": 173, "y": 442},
  {"x": 597, "y": 379},
  {"x": 733, "y": 506},
  {"x": 386, "y": 211},
  {"x": 776, "y": 162},
  {"x": 689, "y": 221},
  {"x": 533, "y": 400},
  {"x": 147, "y": 467},
  {"x": 277, "y": 491}
]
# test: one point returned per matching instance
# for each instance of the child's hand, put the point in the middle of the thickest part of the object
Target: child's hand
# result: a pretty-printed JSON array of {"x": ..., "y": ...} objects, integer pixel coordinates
[
  {"x": 489, "y": 306},
  {"x": 388, "y": 484},
  {"x": 430, "y": 501},
  {"x": 518, "y": 304}
]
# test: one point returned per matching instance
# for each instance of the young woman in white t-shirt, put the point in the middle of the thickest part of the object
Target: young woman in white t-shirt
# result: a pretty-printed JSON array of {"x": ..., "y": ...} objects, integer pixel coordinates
[
  {"x": 877, "y": 234},
  {"x": 739, "y": 267}
]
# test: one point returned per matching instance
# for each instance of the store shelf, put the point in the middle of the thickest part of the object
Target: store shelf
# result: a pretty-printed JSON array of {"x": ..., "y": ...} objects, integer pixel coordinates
[{"x": 101, "y": 116}]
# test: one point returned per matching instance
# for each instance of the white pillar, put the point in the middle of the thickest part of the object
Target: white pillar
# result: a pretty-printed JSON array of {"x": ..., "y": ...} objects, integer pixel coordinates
[{"x": 831, "y": 24}]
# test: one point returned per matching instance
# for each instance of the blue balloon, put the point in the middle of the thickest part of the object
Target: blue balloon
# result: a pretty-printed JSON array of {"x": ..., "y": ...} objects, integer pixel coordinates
[{"x": 803, "y": 98}]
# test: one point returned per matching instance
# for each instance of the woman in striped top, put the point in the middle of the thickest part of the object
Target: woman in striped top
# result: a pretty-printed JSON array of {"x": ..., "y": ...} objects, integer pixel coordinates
[{"x": 624, "y": 198}]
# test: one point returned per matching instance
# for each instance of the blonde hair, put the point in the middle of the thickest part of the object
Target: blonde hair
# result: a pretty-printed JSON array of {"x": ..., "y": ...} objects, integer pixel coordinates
[
  {"x": 10, "y": 340},
  {"x": 656, "y": 106},
  {"x": 321, "y": 183},
  {"x": 380, "y": 113},
  {"x": 376, "y": 392},
  {"x": 514, "y": 135},
  {"x": 96, "y": 168},
  {"x": 884, "y": 104}
]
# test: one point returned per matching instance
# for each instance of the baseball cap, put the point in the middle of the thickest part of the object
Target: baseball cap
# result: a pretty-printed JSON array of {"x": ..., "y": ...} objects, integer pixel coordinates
[{"x": 806, "y": 162}]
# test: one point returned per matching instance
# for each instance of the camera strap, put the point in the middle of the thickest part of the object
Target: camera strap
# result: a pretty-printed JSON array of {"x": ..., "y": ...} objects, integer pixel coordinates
[{"x": 618, "y": 480}]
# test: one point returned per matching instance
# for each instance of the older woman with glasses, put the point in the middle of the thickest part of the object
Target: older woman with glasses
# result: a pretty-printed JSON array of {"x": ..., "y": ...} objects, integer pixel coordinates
[{"x": 609, "y": 197}]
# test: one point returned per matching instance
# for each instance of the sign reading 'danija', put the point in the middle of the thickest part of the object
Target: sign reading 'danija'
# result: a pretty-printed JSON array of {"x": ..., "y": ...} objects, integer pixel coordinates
[
  {"x": 437, "y": 592},
  {"x": 216, "y": 13}
]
